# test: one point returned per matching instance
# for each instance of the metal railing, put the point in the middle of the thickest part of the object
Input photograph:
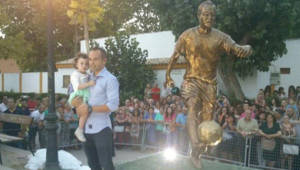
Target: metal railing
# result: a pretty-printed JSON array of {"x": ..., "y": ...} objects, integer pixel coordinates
[{"x": 248, "y": 151}]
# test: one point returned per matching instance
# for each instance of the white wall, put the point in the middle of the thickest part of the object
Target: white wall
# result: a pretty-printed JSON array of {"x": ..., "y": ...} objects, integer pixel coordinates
[
  {"x": 176, "y": 75},
  {"x": 45, "y": 82},
  {"x": 290, "y": 60},
  {"x": 158, "y": 44},
  {"x": 31, "y": 82},
  {"x": 59, "y": 79},
  {"x": 11, "y": 82}
]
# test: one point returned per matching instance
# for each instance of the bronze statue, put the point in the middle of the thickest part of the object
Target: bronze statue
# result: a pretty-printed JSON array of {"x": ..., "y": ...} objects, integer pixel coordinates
[{"x": 202, "y": 47}]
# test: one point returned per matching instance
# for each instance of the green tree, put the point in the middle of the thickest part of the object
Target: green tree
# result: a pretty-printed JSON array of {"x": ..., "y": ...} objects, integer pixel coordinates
[
  {"x": 24, "y": 25},
  {"x": 128, "y": 63},
  {"x": 85, "y": 13},
  {"x": 264, "y": 24},
  {"x": 132, "y": 16}
]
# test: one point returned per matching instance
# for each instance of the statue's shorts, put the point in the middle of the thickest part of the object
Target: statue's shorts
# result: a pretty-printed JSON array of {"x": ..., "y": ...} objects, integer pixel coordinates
[{"x": 201, "y": 95}]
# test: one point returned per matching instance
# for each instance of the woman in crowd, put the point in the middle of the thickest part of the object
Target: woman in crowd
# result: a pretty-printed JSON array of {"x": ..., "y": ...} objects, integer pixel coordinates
[
  {"x": 135, "y": 126},
  {"x": 149, "y": 120},
  {"x": 270, "y": 131},
  {"x": 222, "y": 116},
  {"x": 288, "y": 133},
  {"x": 159, "y": 120},
  {"x": 170, "y": 118},
  {"x": 122, "y": 123},
  {"x": 292, "y": 92},
  {"x": 227, "y": 148},
  {"x": 281, "y": 93}
]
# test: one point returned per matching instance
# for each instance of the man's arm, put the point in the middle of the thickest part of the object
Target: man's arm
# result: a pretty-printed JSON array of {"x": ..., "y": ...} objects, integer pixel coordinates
[{"x": 112, "y": 93}]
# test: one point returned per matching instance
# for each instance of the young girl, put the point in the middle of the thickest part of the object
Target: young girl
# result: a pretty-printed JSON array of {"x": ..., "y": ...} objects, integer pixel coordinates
[{"x": 80, "y": 83}]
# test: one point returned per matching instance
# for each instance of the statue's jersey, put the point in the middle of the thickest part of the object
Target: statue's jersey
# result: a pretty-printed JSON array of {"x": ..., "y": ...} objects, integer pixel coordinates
[{"x": 203, "y": 51}]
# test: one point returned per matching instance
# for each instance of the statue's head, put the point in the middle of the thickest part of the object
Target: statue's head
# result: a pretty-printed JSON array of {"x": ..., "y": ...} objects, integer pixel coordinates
[{"x": 207, "y": 14}]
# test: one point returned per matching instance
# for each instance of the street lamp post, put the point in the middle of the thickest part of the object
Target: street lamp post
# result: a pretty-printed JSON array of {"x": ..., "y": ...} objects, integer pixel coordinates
[{"x": 51, "y": 156}]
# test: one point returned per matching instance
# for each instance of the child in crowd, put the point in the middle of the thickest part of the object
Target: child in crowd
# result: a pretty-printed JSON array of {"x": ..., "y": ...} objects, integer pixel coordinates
[{"x": 80, "y": 83}]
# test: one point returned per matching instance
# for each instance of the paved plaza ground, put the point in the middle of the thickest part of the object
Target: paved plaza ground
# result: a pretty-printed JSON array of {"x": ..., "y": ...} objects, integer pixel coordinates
[{"x": 14, "y": 158}]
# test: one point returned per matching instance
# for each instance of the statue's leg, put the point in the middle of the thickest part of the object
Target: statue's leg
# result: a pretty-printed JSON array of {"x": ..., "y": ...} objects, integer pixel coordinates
[
  {"x": 194, "y": 105},
  {"x": 191, "y": 90},
  {"x": 208, "y": 101}
]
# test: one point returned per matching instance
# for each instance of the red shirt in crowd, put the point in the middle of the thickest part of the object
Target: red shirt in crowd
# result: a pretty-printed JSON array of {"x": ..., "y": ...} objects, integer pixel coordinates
[
  {"x": 155, "y": 91},
  {"x": 31, "y": 105}
]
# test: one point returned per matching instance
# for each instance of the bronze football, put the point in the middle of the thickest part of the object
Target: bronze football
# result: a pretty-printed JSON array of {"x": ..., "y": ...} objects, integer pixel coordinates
[{"x": 210, "y": 133}]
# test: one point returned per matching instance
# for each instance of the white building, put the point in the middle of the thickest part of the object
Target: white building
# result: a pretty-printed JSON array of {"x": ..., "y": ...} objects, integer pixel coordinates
[{"x": 160, "y": 46}]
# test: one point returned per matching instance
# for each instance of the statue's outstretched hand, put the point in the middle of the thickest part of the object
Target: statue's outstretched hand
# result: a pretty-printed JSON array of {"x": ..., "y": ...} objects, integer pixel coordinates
[
  {"x": 169, "y": 82},
  {"x": 244, "y": 51}
]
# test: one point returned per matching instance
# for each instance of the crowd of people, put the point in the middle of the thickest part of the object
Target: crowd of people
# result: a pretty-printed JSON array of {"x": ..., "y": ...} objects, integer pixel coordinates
[
  {"x": 268, "y": 122},
  {"x": 38, "y": 109}
]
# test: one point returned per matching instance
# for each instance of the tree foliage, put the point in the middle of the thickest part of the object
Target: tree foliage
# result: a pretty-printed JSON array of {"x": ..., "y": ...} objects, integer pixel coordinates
[
  {"x": 132, "y": 16},
  {"x": 79, "y": 8},
  {"x": 128, "y": 63},
  {"x": 24, "y": 24}
]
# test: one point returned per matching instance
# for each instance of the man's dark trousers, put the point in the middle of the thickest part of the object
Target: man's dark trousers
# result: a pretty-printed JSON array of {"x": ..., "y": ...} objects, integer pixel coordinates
[{"x": 99, "y": 150}]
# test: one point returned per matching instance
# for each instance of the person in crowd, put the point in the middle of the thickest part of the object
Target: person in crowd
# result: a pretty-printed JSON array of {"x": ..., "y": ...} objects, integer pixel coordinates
[
  {"x": 41, "y": 125},
  {"x": 291, "y": 113},
  {"x": 275, "y": 104},
  {"x": 169, "y": 100},
  {"x": 65, "y": 128},
  {"x": 32, "y": 103},
  {"x": 292, "y": 92},
  {"x": 267, "y": 92},
  {"x": 261, "y": 118},
  {"x": 227, "y": 148},
  {"x": 181, "y": 129},
  {"x": 60, "y": 122},
  {"x": 147, "y": 91},
  {"x": 13, "y": 129},
  {"x": 155, "y": 93},
  {"x": 243, "y": 115},
  {"x": 246, "y": 127},
  {"x": 297, "y": 94},
  {"x": 157, "y": 107},
  {"x": 24, "y": 107},
  {"x": 292, "y": 104},
  {"x": 222, "y": 116},
  {"x": 122, "y": 123},
  {"x": 129, "y": 105},
  {"x": 230, "y": 123},
  {"x": 149, "y": 120},
  {"x": 37, "y": 116},
  {"x": 270, "y": 132},
  {"x": 3, "y": 105},
  {"x": 165, "y": 91},
  {"x": 260, "y": 100},
  {"x": 170, "y": 120},
  {"x": 159, "y": 121},
  {"x": 288, "y": 132},
  {"x": 282, "y": 109},
  {"x": 281, "y": 93},
  {"x": 135, "y": 126}
]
